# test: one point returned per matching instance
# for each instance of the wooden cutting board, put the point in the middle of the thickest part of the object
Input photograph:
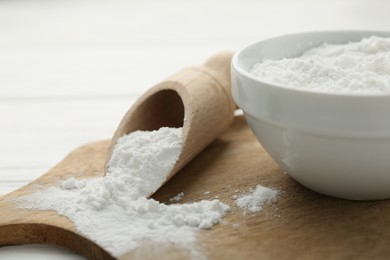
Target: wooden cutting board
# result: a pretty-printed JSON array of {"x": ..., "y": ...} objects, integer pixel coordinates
[{"x": 301, "y": 224}]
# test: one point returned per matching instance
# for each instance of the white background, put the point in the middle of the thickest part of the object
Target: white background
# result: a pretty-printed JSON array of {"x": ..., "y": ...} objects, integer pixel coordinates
[{"x": 70, "y": 69}]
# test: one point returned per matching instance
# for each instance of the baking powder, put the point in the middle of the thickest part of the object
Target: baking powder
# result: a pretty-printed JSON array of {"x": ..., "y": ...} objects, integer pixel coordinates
[
  {"x": 253, "y": 201},
  {"x": 115, "y": 211},
  {"x": 356, "y": 68}
]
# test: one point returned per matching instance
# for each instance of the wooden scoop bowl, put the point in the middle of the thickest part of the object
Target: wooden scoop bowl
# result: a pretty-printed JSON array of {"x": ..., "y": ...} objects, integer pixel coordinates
[{"x": 197, "y": 99}]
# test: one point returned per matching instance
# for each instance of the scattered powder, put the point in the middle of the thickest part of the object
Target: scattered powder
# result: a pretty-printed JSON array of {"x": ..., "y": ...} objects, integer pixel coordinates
[
  {"x": 254, "y": 200},
  {"x": 236, "y": 225},
  {"x": 177, "y": 197},
  {"x": 71, "y": 183},
  {"x": 357, "y": 68},
  {"x": 115, "y": 212}
]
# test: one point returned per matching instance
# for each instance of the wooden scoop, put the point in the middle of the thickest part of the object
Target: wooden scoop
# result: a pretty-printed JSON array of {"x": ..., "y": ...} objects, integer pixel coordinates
[{"x": 197, "y": 99}]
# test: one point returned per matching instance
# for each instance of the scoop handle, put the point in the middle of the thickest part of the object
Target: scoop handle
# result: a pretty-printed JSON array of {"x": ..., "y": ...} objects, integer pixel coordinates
[{"x": 220, "y": 63}]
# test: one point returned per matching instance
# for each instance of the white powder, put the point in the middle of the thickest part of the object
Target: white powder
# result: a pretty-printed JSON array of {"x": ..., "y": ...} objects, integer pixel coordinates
[
  {"x": 357, "y": 68},
  {"x": 114, "y": 211},
  {"x": 177, "y": 197},
  {"x": 254, "y": 200},
  {"x": 143, "y": 159}
]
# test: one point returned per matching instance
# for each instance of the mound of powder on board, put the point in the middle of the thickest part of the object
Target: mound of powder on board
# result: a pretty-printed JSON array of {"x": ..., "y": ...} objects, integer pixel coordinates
[
  {"x": 114, "y": 211},
  {"x": 254, "y": 200},
  {"x": 356, "y": 68}
]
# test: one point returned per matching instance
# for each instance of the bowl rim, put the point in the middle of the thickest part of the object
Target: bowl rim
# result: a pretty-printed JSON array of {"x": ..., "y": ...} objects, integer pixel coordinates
[{"x": 242, "y": 72}]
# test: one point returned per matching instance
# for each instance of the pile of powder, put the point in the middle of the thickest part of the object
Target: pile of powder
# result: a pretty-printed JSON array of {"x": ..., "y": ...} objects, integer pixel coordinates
[
  {"x": 254, "y": 200},
  {"x": 115, "y": 211},
  {"x": 356, "y": 68}
]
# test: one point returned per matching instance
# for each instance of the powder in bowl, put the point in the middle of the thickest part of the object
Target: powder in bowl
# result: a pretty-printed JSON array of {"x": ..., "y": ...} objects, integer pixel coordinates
[{"x": 361, "y": 67}]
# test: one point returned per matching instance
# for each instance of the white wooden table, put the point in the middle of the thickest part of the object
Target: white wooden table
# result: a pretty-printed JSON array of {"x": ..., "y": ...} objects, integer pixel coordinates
[{"x": 70, "y": 69}]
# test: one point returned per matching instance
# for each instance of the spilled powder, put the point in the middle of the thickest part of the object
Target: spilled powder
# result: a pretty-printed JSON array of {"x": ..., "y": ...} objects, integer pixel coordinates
[
  {"x": 254, "y": 200},
  {"x": 115, "y": 211},
  {"x": 356, "y": 68},
  {"x": 177, "y": 197}
]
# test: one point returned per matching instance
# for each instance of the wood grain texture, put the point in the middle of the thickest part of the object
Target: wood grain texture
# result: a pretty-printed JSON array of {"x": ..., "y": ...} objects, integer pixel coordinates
[{"x": 301, "y": 224}]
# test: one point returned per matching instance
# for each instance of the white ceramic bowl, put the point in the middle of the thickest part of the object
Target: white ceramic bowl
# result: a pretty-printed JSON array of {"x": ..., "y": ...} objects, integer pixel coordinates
[{"x": 335, "y": 144}]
